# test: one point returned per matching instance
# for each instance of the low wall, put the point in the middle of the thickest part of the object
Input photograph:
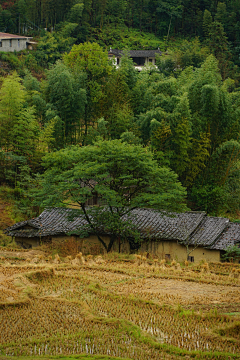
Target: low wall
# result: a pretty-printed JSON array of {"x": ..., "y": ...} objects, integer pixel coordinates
[
  {"x": 93, "y": 246},
  {"x": 90, "y": 245},
  {"x": 173, "y": 250},
  {"x": 71, "y": 245}
]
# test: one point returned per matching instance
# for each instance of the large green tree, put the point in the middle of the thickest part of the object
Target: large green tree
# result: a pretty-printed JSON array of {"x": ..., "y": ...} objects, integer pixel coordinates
[{"x": 123, "y": 177}]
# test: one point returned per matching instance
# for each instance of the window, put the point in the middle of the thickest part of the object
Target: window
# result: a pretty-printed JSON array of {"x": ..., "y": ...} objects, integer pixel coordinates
[
  {"x": 0, "y": 44},
  {"x": 139, "y": 61},
  {"x": 191, "y": 258},
  {"x": 18, "y": 43},
  {"x": 118, "y": 61},
  {"x": 150, "y": 60},
  {"x": 10, "y": 42}
]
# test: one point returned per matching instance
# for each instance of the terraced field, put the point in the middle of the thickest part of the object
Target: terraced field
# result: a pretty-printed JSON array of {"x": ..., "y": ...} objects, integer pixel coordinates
[{"x": 131, "y": 308}]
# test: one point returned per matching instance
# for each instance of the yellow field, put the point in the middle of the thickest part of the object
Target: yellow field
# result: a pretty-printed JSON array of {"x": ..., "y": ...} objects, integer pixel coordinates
[{"x": 130, "y": 308}]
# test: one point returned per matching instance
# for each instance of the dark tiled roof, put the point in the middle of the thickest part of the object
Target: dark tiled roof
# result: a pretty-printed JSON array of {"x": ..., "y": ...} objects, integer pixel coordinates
[
  {"x": 12, "y": 36},
  {"x": 150, "y": 223},
  {"x": 209, "y": 230},
  {"x": 50, "y": 222},
  {"x": 153, "y": 224},
  {"x": 193, "y": 227},
  {"x": 229, "y": 237},
  {"x": 135, "y": 53}
]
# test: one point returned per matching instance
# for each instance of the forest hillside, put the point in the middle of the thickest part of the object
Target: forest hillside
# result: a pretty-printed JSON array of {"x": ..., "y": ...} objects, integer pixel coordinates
[{"x": 65, "y": 92}]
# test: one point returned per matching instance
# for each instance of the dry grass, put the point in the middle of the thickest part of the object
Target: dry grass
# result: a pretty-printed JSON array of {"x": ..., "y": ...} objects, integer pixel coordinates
[{"x": 139, "y": 309}]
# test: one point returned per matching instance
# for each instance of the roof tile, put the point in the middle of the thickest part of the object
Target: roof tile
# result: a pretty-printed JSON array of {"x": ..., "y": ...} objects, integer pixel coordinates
[{"x": 193, "y": 227}]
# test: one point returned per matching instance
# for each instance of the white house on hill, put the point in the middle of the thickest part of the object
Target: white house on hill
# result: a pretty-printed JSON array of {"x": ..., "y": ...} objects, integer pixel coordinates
[
  {"x": 11, "y": 43},
  {"x": 139, "y": 57}
]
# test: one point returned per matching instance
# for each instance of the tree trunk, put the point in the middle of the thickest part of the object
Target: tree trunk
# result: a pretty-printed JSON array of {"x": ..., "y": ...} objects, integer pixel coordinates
[{"x": 110, "y": 245}]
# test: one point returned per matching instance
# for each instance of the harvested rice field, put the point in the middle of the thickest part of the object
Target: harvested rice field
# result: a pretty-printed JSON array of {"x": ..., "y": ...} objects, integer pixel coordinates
[{"x": 117, "y": 308}]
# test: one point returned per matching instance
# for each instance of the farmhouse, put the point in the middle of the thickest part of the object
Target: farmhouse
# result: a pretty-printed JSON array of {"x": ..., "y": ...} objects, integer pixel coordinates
[
  {"x": 11, "y": 43},
  {"x": 163, "y": 236},
  {"x": 139, "y": 57}
]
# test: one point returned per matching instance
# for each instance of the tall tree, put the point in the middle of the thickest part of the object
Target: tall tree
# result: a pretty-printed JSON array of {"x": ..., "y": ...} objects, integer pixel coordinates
[
  {"x": 207, "y": 22},
  {"x": 12, "y": 97},
  {"x": 219, "y": 47},
  {"x": 123, "y": 177},
  {"x": 65, "y": 92}
]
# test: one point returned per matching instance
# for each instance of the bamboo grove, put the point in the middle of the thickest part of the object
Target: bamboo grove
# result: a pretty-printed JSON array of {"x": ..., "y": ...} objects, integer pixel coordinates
[{"x": 188, "y": 119}]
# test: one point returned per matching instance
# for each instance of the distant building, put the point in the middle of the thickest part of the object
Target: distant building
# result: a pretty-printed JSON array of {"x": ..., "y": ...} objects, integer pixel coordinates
[
  {"x": 139, "y": 57},
  {"x": 11, "y": 43}
]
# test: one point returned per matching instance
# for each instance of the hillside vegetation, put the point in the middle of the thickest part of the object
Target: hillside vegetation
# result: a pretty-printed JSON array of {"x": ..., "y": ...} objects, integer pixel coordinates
[{"x": 66, "y": 91}]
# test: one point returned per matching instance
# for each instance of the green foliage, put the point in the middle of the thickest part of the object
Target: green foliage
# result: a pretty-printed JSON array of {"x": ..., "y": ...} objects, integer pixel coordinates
[
  {"x": 182, "y": 141},
  {"x": 122, "y": 176},
  {"x": 207, "y": 22},
  {"x": 24, "y": 192},
  {"x": 200, "y": 154},
  {"x": 25, "y": 133},
  {"x": 90, "y": 60},
  {"x": 186, "y": 110},
  {"x": 189, "y": 120},
  {"x": 12, "y": 97},
  {"x": 232, "y": 253},
  {"x": 75, "y": 13},
  {"x": 126, "y": 38},
  {"x": 51, "y": 47},
  {"x": 190, "y": 53},
  {"x": 64, "y": 90},
  {"x": 120, "y": 24},
  {"x": 221, "y": 14},
  {"x": 166, "y": 66},
  {"x": 219, "y": 47}
]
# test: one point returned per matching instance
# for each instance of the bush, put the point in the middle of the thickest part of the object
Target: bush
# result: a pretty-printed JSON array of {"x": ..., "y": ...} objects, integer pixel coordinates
[{"x": 232, "y": 253}]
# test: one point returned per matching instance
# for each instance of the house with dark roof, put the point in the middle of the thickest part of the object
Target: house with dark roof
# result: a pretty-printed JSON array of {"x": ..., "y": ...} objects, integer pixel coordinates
[
  {"x": 162, "y": 235},
  {"x": 139, "y": 57},
  {"x": 11, "y": 43}
]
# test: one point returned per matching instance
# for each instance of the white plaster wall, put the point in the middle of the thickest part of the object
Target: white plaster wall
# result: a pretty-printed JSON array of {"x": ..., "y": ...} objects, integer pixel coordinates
[{"x": 16, "y": 45}]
